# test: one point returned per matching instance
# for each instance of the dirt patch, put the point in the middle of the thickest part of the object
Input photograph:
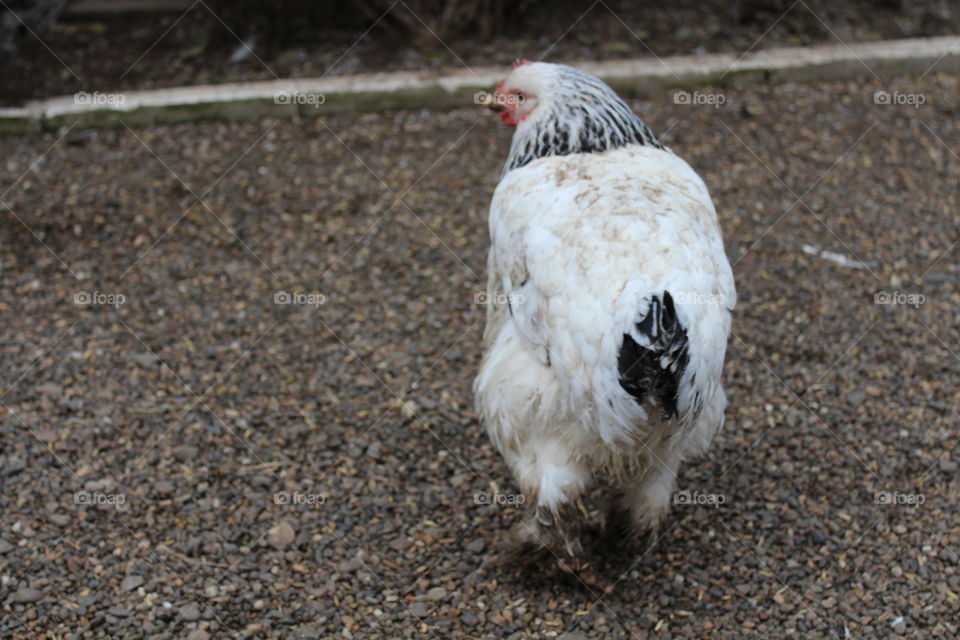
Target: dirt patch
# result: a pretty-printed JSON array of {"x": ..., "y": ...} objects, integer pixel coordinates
[{"x": 270, "y": 434}]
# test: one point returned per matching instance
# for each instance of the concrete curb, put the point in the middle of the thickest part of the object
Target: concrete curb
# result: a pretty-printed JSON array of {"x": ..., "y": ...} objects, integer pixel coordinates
[{"x": 418, "y": 90}]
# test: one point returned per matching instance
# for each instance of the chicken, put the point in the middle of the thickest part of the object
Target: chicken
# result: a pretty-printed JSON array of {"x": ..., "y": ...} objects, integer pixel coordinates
[{"x": 609, "y": 306}]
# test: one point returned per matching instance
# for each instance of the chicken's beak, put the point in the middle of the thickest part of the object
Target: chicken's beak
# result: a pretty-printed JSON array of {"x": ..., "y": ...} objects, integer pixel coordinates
[{"x": 489, "y": 100}]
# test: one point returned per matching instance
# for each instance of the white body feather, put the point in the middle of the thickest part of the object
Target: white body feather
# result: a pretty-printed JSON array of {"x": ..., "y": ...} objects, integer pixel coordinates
[{"x": 580, "y": 243}]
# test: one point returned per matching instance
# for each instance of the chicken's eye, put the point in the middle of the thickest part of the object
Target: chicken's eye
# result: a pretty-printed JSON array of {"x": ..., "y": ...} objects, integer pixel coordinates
[{"x": 519, "y": 97}]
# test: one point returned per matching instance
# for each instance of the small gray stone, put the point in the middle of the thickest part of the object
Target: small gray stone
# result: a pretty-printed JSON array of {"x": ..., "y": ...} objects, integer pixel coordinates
[
  {"x": 899, "y": 626},
  {"x": 5, "y": 546},
  {"x": 14, "y": 465},
  {"x": 59, "y": 519},
  {"x": 164, "y": 487},
  {"x": 198, "y": 634},
  {"x": 400, "y": 544},
  {"x": 281, "y": 535},
  {"x": 190, "y": 612},
  {"x": 419, "y": 609},
  {"x": 130, "y": 583},
  {"x": 118, "y": 612},
  {"x": 349, "y": 566},
  {"x": 307, "y": 633},
  {"x": 939, "y": 277},
  {"x": 184, "y": 452},
  {"x": 476, "y": 546},
  {"x": 856, "y": 397},
  {"x": 27, "y": 594},
  {"x": 947, "y": 465},
  {"x": 436, "y": 594},
  {"x": 145, "y": 360}
]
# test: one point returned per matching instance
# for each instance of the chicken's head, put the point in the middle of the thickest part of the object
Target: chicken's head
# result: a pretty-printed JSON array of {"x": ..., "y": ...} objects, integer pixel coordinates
[
  {"x": 517, "y": 95},
  {"x": 559, "y": 110}
]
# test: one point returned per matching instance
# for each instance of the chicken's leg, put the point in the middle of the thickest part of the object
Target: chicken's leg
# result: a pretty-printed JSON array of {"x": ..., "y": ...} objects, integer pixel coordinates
[{"x": 647, "y": 498}]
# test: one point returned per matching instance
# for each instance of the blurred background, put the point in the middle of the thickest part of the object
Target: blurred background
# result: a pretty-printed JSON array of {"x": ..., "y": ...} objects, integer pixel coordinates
[{"x": 58, "y": 47}]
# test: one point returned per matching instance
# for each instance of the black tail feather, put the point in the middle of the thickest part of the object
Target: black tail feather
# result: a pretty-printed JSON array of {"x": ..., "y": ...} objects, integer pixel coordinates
[{"x": 657, "y": 366}]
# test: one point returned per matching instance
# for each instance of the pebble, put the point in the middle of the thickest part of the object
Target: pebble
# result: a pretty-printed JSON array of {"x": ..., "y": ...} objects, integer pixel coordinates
[
  {"x": 163, "y": 487},
  {"x": 190, "y": 612},
  {"x": 400, "y": 544},
  {"x": 476, "y": 546},
  {"x": 947, "y": 465},
  {"x": 349, "y": 566},
  {"x": 59, "y": 519},
  {"x": 27, "y": 594},
  {"x": 118, "y": 612},
  {"x": 13, "y": 466},
  {"x": 198, "y": 634},
  {"x": 130, "y": 583},
  {"x": 899, "y": 625},
  {"x": 184, "y": 452},
  {"x": 419, "y": 609},
  {"x": 281, "y": 535},
  {"x": 145, "y": 360},
  {"x": 436, "y": 594},
  {"x": 939, "y": 277},
  {"x": 5, "y": 546}
]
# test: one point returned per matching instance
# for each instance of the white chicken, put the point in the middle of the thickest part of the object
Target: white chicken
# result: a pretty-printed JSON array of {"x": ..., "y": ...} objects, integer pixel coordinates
[{"x": 609, "y": 299}]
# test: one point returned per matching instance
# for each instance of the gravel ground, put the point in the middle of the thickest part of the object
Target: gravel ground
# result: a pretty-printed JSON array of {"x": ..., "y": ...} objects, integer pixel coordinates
[
  {"x": 185, "y": 457},
  {"x": 148, "y": 51}
]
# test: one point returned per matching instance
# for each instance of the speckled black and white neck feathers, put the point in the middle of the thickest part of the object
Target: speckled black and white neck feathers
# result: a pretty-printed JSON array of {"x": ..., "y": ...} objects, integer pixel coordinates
[{"x": 578, "y": 114}]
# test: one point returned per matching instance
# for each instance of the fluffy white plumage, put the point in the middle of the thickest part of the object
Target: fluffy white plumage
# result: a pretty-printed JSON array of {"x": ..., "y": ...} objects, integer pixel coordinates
[{"x": 598, "y": 233}]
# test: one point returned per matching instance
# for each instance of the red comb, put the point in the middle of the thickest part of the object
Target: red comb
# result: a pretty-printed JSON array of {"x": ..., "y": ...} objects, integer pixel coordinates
[{"x": 519, "y": 62}]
